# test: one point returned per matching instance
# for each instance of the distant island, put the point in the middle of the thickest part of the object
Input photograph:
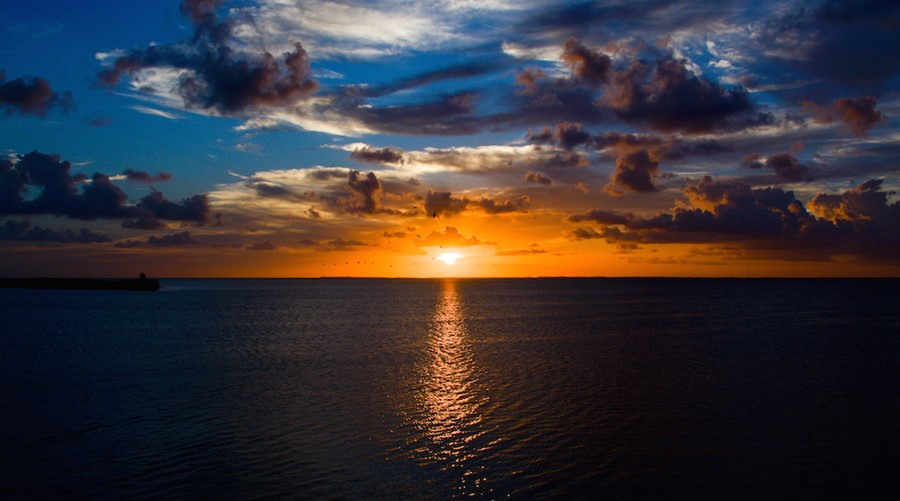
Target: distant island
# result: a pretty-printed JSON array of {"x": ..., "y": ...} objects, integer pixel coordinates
[{"x": 130, "y": 284}]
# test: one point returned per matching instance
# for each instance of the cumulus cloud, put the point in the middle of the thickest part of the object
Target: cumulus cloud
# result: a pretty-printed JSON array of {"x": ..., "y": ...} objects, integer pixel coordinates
[
  {"x": 213, "y": 76},
  {"x": 592, "y": 66},
  {"x": 23, "y": 230},
  {"x": 668, "y": 97},
  {"x": 538, "y": 178},
  {"x": 858, "y": 114},
  {"x": 439, "y": 203},
  {"x": 97, "y": 197},
  {"x": 635, "y": 171},
  {"x": 31, "y": 96},
  {"x": 367, "y": 190},
  {"x": 443, "y": 203},
  {"x": 858, "y": 222},
  {"x": 448, "y": 237},
  {"x": 785, "y": 166}
]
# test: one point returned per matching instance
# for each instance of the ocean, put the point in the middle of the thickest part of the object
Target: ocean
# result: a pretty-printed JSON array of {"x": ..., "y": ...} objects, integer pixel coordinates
[{"x": 529, "y": 389}]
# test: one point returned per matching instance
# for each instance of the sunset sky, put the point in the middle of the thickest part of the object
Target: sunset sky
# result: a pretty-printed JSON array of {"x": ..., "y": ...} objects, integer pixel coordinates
[{"x": 292, "y": 138}]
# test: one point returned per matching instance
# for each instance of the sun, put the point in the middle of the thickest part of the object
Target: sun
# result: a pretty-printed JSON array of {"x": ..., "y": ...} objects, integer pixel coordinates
[{"x": 449, "y": 257}]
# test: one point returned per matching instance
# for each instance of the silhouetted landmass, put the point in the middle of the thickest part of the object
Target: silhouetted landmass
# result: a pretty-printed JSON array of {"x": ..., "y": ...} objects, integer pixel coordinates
[{"x": 138, "y": 284}]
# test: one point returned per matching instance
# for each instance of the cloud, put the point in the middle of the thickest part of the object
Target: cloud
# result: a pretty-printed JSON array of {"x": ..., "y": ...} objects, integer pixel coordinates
[
  {"x": 491, "y": 206},
  {"x": 340, "y": 244},
  {"x": 785, "y": 165},
  {"x": 520, "y": 252},
  {"x": 668, "y": 97},
  {"x": 262, "y": 246},
  {"x": 367, "y": 190},
  {"x": 591, "y": 66},
  {"x": 843, "y": 41},
  {"x": 448, "y": 237},
  {"x": 145, "y": 177},
  {"x": 439, "y": 203},
  {"x": 174, "y": 240},
  {"x": 98, "y": 196},
  {"x": 538, "y": 178},
  {"x": 159, "y": 113},
  {"x": 31, "y": 96},
  {"x": 764, "y": 221},
  {"x": 859, "y": 114},
  {"x": 371, "y": 154},
  {"x": 22, "y": 230},
  {"x": 212, "y": 76},
  {"x": 444, "y": 204},
  {"x": 447, "y": 114},
  {"x": 635, "y": 172},
  {"x": 601, "y": 216},
  {"x": 453, "y": 72}
]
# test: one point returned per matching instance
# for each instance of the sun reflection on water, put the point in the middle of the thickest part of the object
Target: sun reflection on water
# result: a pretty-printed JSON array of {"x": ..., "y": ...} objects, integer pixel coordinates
[{"x": 450, "y": 401}]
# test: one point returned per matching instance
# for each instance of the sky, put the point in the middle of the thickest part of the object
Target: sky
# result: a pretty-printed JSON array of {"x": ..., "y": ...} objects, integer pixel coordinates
[{"x": 292, "y": 138}]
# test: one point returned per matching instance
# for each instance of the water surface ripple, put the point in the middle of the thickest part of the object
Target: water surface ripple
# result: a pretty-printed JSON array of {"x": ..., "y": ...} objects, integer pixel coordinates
[{"x": 442, "y": 389}]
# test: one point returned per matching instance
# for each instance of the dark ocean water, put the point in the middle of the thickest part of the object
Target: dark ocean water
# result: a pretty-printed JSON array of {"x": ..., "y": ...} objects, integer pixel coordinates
[{"x": 431, "y": 389}]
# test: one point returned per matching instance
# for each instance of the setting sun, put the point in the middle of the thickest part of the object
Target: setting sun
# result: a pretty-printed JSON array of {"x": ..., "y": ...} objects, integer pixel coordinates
[{"x": 449, "y": 257}]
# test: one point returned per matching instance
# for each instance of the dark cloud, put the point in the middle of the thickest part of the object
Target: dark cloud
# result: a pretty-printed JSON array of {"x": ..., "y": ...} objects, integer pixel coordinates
[
  {"x": 216, "y": 77},
  {"x": 668, "y": 97},
  {"x": 173, "y": 240},
  {"x": 145, "y": 177},
  {"x": 31, "y": 96},
  {"x": 538, "y": 178},
  {"x": 459, "y": 71},
  {"x": 585, "y": 234},
  {"x": 589, "y": 65},
  {"x": 844, "y": 41},
  {"x": 636, "y": 172},
  {"x": 370, "y": 154},
  {"x": 193, "y": 210},
  {"x": 766, "y": 220},
  {"x": 443, "y": 203},
  {"x": 367, "y": 191},
  {"x": 200, "y": 11},
  {"x": 601, "y": 216},
  {"x": 866, "y": 210},
  {"x": 599, "y": 19},
  {"x": 490, "y": 206},
  {"x": 262, "y": 246},
  {"x": 859, "y": 114},
  {"x": 22, "y": 230},
  {"x": 785, "y": 166},
  {"x": 394, "y": 234},
  {"x": 567, "y": 134},
  {"x": 340, "y": 244},
  {"x": 529, "y": 79},
  {"x": 143, "y": 224},
  {"x": 570, "y": 135},
  {"x": 98, "y": 197},
  {"x": 449, "y": 114}
]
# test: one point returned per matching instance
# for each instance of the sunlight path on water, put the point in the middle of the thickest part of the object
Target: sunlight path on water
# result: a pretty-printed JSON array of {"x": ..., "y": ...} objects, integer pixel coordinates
[{"x": 450, "y": 401}]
